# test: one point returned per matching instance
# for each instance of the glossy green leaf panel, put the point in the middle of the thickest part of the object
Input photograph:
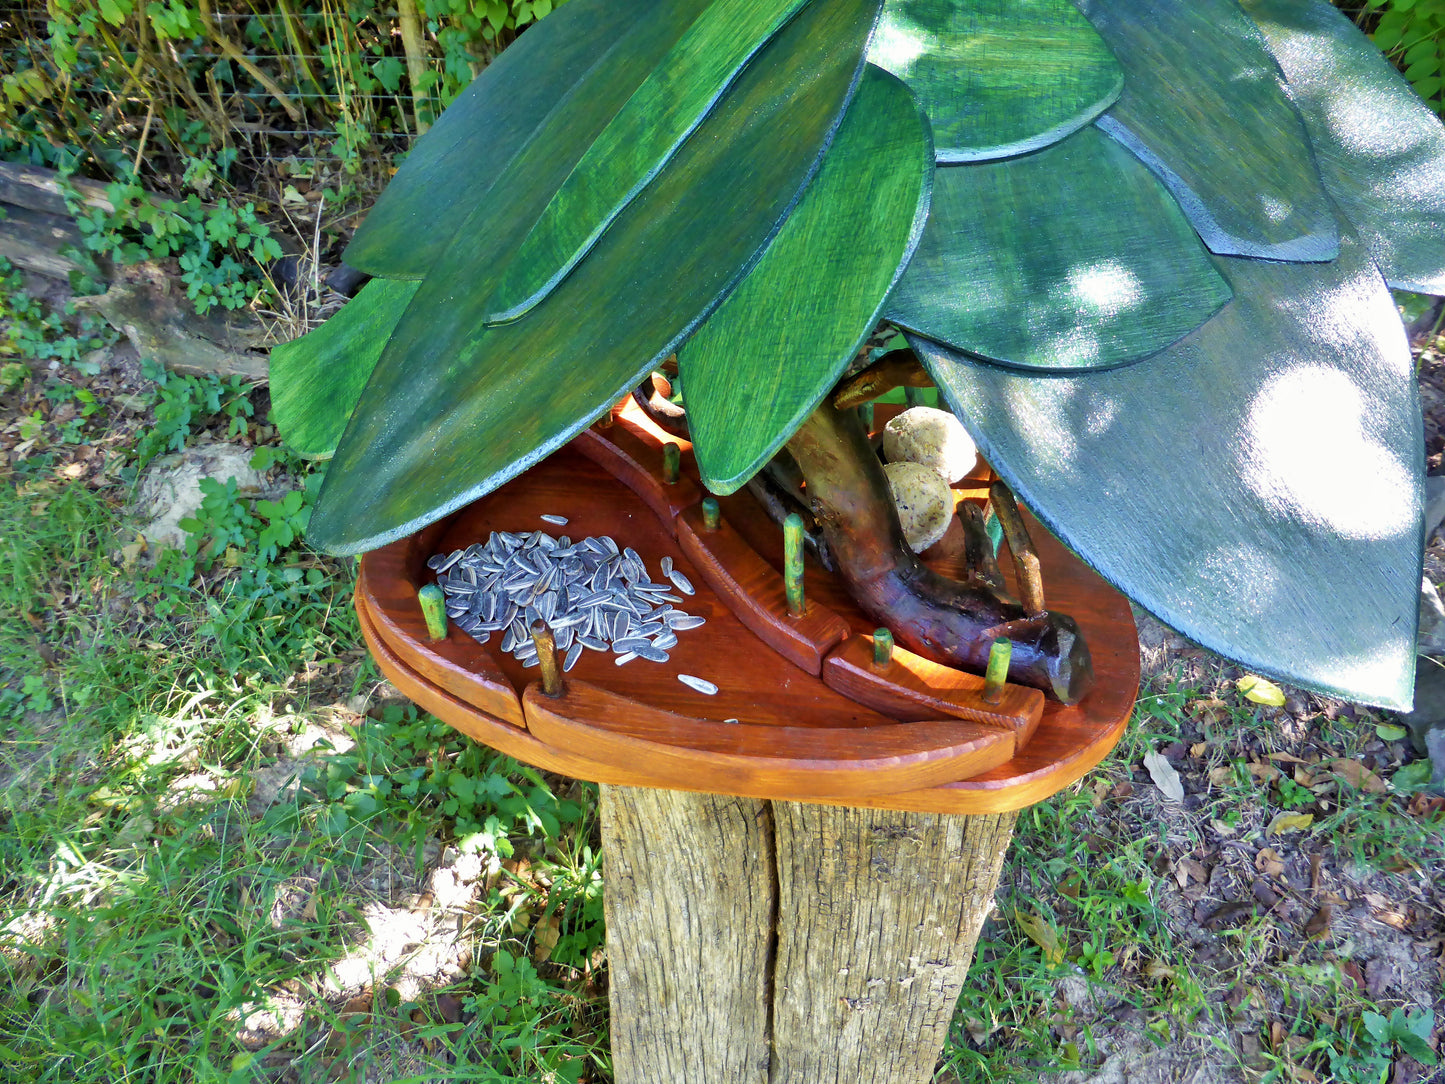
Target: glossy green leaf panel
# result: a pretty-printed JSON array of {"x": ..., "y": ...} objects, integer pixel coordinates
[
  {"x": 761, "y": 362},
  {"x": 455, "y": 408},
  {"x": 1257, "y": 486},
  {"x": 997, "y": 77},
  {"x": 496, "y": 217},
  {"x": 454, "y": 166},
  {"x": 661, "y": 113},
  {"x": 1381, "y": 150},
  {"x": 1204, "y": 107},
  {"x": 317, "y": 379},
  {"x": 1073, "y": 257}
]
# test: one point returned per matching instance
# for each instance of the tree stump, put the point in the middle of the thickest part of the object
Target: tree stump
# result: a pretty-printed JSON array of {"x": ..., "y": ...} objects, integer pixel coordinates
[{"x": 758, "y": 942}]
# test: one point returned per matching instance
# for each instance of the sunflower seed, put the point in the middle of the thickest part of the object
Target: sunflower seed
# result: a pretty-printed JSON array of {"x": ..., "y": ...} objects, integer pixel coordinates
[
  {"x": 700, "y": 685},
  {"x": 681, "y": 582},
  {"x": 665, "y": 641},
  {"x": 631, "y": 643},
  {"x": 651, "y": 654},
  {"x": 623, "y": 660},
  {"x": 556, "y": 521},
  {"x": 573, "y": 654},
  {"x": 681, "y": 622},
  {"x": 666, "y": 564}
]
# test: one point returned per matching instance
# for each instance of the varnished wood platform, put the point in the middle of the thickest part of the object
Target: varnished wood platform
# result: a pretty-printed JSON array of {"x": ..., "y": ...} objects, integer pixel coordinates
[{"x": 808, "y": 718}]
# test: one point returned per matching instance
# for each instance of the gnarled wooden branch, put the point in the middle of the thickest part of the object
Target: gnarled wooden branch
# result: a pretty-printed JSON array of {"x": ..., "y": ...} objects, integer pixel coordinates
[{"x": 934, "y": 616}]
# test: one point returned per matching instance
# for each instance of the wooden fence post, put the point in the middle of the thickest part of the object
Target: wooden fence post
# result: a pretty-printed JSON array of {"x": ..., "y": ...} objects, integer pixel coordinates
[{"x": 783, "y": 942}]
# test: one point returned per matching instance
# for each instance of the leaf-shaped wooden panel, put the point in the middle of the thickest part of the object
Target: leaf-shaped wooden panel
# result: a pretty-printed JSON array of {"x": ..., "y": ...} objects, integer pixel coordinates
[
  {"x": 1257, "y": 485},
  {"x": 627, "y": 154},
  {"x": 1073, "y": 257},
  {"x": 761, "y": 362},
  {"x": 455, "y": 408},
  {"x": 1204, "y": 107},
  {"x": 452, "y": 168},
  {"x": 997, "y": 77},
  {"x": 495, "y": 218},
  {"x": 317, "y": 379},
  {"x": 1381, "y": 150}
]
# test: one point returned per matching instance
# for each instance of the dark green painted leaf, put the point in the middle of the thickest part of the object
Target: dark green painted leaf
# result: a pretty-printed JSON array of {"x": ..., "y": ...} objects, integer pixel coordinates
[
  {"x": 455, "y": 408},
  {"x": 1073, "y": 257},
  {"x": 452, "y": 168},
  {"x": 997, "y": 77},
  {"x": 1257, "y": 485},
  {"x": 317, "y": 379},
  {"x": 1203, "y": 106},
  {"x": 646, "y": 131},
  {"x": 1381, "y": 150},
  {"x": 791, "y": 326}
]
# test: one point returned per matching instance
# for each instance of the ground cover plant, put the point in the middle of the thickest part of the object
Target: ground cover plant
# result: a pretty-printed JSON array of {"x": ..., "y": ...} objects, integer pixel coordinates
[
  {"x": 227, "y": 853},
  {"x": 228, "y": 857}
]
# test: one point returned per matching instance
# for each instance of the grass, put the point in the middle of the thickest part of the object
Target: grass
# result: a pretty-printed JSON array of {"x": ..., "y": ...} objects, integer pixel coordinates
[{"x": 222, "y": 858}]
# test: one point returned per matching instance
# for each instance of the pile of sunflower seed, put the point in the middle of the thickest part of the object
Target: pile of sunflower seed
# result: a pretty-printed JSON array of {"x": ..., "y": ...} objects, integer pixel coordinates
[{"x": 593, "y": 594}]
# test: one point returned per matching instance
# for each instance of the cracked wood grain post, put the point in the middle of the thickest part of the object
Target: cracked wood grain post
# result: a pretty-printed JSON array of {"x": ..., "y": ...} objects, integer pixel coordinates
[{"x": 756, "y": 942}]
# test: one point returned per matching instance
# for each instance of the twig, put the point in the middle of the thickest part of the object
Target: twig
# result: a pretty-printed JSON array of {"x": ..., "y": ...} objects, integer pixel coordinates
[{"x": 232, "y": 50}]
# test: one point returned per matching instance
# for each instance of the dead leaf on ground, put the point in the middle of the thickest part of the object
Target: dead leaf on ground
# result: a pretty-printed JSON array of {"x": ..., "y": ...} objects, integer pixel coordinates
[
  {"x": 1289, "y": 822},
  {"x": 1285, "y": 758},
  {"x": 1198, "y": 749},
  {"x": 1164, "y": 776},
  {"x": 1269, "y": 862},
  {"x": 1319, "y": 923},
  {"x": 1358, "y": 776},
  {"x": 1264, "y": 771},
  {"x": 1221, "y": 775},
  {"x": 1043, "y": 934},
  {"x": 1260, "y": 691},
  {"x": 1188, "y": 867},
  {"x": 1229, "y": 916}
]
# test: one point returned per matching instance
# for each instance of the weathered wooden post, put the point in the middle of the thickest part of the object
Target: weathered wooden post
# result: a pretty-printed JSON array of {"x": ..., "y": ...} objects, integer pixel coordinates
[{"x": 799, "y": 860}]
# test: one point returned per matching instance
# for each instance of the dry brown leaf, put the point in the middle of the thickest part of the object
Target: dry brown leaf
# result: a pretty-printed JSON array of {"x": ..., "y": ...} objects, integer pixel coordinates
[
  {"x": 1158, "y": 970},
  {"x": 545, "y": 937},
  {"x": 1164, "y": 776},
  {"x": 1285, "y": 758},
  {"x": 1358, "y": 776},
  {"x": 1269, "y": 862},
  {"x": 1221, "y": 775},
  {"x": 1188, "y": 867},
  {"x": 1263, "y": 771},
  {"x": 1319, "y": 923},
  {"x": 1198, "y": 749}
]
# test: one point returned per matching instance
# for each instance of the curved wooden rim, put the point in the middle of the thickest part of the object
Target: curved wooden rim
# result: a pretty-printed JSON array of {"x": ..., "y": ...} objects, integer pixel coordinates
[{"x": 488, "y": 698}]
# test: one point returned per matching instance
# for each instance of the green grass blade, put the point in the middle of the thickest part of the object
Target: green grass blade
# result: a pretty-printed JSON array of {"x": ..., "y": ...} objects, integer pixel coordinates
[
  {"x": 1256, "y": 486},
  {"x": 455, "y": 409},
  {"x": 759, "y": 364},
  {"x": 454, "y": 166},
  {"x": 1082, "y": 261},
  {"x": 1204, "y": 107},
  {"x": 1380, "y": 148},
  {"x": 317, "y": 379},
  {"x": 997, "y": 79},
  {"x": 645, "y": 133}
]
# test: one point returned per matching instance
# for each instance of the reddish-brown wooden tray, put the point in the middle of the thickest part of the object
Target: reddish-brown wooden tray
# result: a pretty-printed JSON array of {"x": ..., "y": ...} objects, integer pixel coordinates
[{"x": 809, "y": 717}]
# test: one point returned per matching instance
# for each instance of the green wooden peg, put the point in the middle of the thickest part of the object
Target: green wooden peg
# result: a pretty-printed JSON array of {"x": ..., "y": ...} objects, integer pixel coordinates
[
  {"x": 711, "y": 514},
  {"x": 997, "y": 672},
  {"x": 882, "y": 647},
  {"x": 434, "y": 610},
  {"x": 671, "y": 462},
  {"x": 793, "y": 563}
]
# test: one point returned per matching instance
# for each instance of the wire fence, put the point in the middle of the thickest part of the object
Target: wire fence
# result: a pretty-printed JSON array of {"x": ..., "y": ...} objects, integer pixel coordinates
[{"x": 327, "y": 84}]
